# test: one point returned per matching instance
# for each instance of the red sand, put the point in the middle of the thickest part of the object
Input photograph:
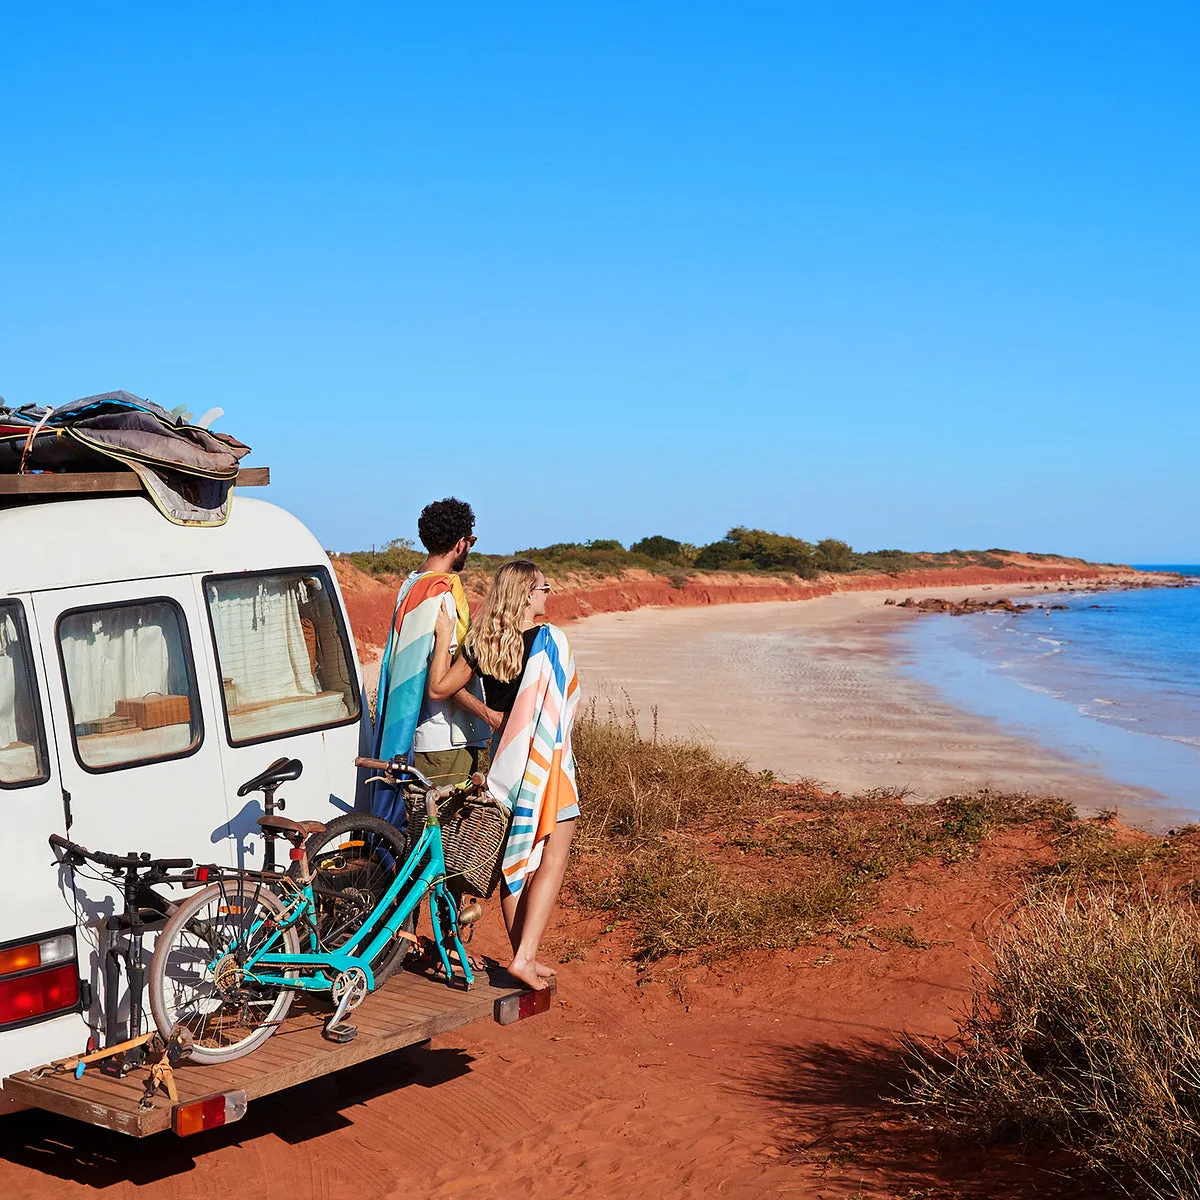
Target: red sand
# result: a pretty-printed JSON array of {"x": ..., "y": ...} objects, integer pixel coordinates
[
  {"x": 762, "y": 1077},
  {"x": 758, "y": 1077}
]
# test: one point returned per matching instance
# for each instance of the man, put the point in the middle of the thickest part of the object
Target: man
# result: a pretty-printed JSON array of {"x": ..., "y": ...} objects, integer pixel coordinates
[{"x": 443, "y": 737}]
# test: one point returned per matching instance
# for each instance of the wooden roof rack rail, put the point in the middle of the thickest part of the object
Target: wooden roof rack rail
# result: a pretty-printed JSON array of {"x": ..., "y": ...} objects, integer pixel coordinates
[{"x": 71, "y": 483}]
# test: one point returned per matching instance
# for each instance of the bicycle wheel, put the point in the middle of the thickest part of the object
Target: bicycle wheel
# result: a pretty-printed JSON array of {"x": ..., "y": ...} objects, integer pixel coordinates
[
  {"x": 196, "y": 976},
  {"x": 354, "y": 862}
]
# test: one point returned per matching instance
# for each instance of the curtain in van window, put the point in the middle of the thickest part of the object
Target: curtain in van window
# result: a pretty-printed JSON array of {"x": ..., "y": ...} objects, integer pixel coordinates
[
  {"x": 260, "y": 639},
  {"x": 9, "y": 649},
  {"x": 112, "y": 655}
]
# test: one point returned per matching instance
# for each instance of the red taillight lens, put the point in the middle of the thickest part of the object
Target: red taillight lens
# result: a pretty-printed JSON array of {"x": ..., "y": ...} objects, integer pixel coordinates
[
  {"x": 533, "y": 1003},
  {"x": 39, "y": 994},
  {"x": 522, "y": 1005},
  {"x": 201, "y": 874},
  {"x": 209, "y": 1113}
]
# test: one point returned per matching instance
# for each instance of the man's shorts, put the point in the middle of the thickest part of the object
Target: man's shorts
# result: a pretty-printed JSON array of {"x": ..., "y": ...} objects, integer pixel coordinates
[{"x": 447, "y": 766}]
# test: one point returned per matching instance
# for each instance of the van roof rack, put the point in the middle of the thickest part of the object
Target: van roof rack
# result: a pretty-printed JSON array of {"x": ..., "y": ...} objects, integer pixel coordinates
[{"x": 74, "y": 483}]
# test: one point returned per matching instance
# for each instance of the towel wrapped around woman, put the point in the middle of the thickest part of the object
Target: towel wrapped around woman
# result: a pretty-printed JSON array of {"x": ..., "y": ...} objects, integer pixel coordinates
[
  {"x": 527, "y": 671},
  {"x": 533, "y": 768}
]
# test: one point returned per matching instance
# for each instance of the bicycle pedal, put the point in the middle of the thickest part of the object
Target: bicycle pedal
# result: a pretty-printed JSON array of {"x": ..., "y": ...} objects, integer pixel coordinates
[{"x": 340, "y": 1033}]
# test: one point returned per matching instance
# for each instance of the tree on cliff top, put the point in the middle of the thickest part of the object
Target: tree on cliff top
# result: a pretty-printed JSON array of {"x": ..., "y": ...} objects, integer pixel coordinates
[
  {"x": 663, "y": 549},
  {"x": 833, "y": 555},
  {"x": 761, "y": 550}
]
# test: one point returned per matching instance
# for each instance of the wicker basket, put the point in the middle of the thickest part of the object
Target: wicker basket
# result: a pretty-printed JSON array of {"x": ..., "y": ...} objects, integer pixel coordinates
[{"x": 473, "y": 837}]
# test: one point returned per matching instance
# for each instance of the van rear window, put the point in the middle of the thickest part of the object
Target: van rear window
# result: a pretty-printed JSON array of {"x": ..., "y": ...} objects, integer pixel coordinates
[
  {"x": 130, "y": 683},
  {"x": 22, "y": 744},
  {"x": 282, "y": 652}
]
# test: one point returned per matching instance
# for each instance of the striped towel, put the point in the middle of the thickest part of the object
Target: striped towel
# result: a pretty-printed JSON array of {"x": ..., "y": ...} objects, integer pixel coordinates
[
  {"x": 402, "y": 674},
  {"x": 533, "y": 769}
]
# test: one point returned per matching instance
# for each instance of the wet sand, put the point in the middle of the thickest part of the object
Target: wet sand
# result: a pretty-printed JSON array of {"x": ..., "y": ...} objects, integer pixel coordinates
[{"x": 810, "y": 689}]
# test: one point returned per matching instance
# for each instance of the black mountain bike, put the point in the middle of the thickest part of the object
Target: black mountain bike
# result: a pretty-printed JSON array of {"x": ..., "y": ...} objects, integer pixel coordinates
[{"x": 145, "y": 909}]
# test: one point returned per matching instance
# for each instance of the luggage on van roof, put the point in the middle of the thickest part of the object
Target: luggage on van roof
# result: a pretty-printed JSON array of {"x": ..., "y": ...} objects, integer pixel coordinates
[{"x": 186, "y": 470}]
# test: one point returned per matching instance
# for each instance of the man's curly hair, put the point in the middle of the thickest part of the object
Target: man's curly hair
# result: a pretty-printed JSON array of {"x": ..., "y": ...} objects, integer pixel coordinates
[{"x": 443, "y": 522}]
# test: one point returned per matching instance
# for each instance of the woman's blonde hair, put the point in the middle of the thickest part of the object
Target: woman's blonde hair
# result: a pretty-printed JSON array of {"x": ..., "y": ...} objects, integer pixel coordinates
[{"x": 494, "y": 639}]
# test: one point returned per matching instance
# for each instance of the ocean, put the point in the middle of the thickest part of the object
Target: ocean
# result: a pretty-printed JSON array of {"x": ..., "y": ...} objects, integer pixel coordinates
[{"x": 1111, "y": 680}]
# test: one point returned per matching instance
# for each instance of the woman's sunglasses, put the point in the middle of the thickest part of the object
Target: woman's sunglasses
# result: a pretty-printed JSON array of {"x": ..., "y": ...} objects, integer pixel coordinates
[{"x": 544, "y": 588}]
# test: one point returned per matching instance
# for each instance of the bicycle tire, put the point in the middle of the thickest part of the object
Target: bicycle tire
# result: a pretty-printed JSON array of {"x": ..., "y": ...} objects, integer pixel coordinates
[
  {"x": 173, "y": 956},
  {"x": 363, "y": 878}
]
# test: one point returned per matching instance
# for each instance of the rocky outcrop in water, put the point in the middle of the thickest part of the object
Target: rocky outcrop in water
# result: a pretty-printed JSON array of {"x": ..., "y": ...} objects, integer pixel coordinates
[{"x": 962, "y": 608}]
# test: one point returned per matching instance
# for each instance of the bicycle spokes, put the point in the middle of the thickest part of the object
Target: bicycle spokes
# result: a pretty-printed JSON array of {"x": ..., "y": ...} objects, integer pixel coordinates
[{"x": 207, "y": 988}]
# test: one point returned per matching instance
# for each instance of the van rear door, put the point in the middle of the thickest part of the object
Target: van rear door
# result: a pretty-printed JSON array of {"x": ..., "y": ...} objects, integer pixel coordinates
[
  {"x": 30, "y": 797},
  {"x": 130, "y": 683}
]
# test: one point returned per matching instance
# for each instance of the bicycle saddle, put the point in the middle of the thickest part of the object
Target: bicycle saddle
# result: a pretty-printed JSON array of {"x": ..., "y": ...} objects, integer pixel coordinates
[
  {"x": 283, "y": 825},
  {"x": 280, "y": 771}
]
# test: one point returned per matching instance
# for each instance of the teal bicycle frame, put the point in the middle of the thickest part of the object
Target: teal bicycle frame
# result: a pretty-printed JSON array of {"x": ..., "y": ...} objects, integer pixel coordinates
[{"x": 319, "y": 969}]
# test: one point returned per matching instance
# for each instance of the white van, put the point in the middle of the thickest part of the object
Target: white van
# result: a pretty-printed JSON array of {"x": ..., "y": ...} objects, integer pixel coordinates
[{"x": 146, "y": 671}]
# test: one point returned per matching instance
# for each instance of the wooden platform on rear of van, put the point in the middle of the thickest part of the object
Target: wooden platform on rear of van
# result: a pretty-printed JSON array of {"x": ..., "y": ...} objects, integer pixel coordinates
[{"x": 408, "y": 1009}]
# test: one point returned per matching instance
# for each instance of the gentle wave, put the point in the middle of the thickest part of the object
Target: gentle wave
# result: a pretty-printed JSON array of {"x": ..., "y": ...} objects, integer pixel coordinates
[{"x": 1125, "y": 666}]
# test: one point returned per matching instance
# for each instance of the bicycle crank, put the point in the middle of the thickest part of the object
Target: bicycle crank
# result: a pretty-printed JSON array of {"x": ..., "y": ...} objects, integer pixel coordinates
[{"x": 349, "y": 991}]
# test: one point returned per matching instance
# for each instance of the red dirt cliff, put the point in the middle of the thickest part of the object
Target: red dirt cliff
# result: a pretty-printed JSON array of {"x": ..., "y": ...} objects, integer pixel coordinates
[{"x": 370, "y": 600}]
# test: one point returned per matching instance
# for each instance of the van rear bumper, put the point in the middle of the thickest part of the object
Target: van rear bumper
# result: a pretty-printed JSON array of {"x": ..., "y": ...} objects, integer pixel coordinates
[
  {"x": 30, "y": 1045},
  {"x": 410, "y": 1008}
]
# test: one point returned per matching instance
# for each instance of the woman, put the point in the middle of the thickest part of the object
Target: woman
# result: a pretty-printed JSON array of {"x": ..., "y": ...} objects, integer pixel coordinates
[{"x": 528, "y": 675}]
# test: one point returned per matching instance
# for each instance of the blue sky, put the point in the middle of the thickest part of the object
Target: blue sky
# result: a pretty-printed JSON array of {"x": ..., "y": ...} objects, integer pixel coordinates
[{"x": 911, "y": 275}]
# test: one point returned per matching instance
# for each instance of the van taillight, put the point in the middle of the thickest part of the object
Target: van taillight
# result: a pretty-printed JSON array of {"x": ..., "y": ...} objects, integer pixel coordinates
[
  {"x": 47, "y": 952},
  {"x": 38, "y": 978},
  {"x": 209, "y": 1113},
  {"x": 522, "y": 1005}
]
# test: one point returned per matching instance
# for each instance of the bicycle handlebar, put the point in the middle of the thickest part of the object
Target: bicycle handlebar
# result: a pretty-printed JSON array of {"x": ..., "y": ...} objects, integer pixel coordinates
[
  {"x": 395, "y": 766},
  {"x": 117, "y": 862}
]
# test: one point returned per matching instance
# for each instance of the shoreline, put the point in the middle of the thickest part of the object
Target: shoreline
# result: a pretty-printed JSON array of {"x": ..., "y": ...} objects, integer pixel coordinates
[
  {"x": 837, "y": 703},
  {"x": 818, "y": 690}
]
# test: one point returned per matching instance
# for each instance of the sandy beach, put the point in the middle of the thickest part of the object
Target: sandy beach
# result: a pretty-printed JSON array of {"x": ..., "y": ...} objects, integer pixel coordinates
[{"x": 811, "y": 689}]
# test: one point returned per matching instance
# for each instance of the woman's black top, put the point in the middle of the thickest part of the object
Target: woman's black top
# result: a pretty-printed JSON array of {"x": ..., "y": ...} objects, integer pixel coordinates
[{"x": 498, "y": 694}]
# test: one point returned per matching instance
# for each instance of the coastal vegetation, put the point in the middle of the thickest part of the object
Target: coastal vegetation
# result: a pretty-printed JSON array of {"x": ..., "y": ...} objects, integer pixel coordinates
[
  {"x": 698, "y": 853},
  {"x": 1083, "y": 1034},
  {"x": 741, "y": 550},
  {"x": 1080, "y": 1034}
]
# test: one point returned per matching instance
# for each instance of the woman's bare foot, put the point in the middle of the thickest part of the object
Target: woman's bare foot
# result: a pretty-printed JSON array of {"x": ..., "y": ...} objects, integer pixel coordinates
[
  {"x": 544, "y": 972},
  {"x": 525, "y": 969}
]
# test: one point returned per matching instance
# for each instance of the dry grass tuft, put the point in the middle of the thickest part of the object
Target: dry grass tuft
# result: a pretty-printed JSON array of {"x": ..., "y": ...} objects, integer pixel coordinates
[
  {"x": 663, "y": 814},
  {"x": 873, "y": 835},
  {"x": 639, "y": 786},
  {"x": 1085, "y": 1033},
  {"x": 1092, "y": 853},
  {"x": 677, "y": 901}
]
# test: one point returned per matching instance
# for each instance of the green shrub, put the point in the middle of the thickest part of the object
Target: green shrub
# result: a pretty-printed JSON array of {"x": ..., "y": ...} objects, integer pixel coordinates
[
  {"x": 717, "y": 556},
  {"x": 398, "y": 557},
  {"x": 664, "y": 549},
  {"x": 759, "y": 549},
  {"x": 833, "y": 555}
]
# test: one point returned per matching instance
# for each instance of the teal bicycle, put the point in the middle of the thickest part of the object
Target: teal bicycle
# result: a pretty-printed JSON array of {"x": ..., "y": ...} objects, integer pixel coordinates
[{"x": 231, "y": 959}]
